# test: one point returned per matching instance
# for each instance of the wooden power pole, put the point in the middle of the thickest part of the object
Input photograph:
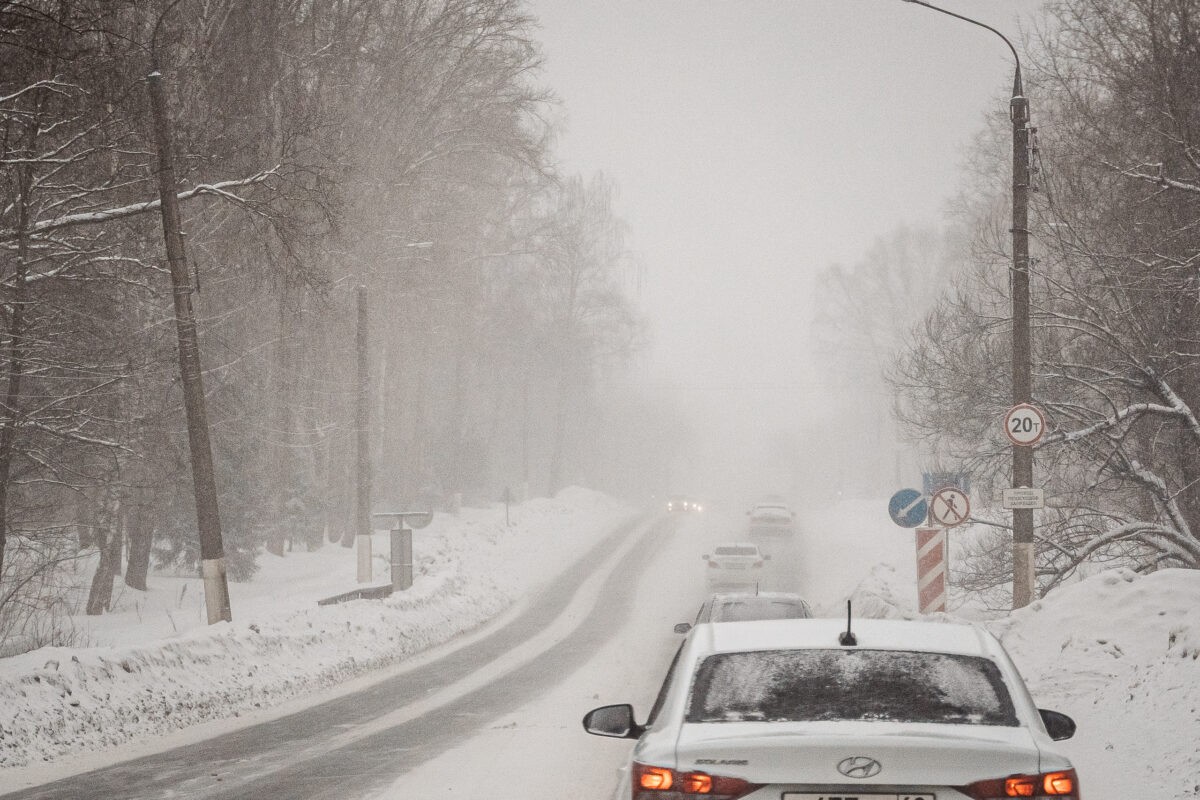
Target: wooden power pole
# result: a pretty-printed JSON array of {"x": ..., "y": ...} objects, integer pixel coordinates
[
  {"x": 208, "y": 518},
  {"x": 362, "y": 425},
  {"x": 1024, "y": 579}
]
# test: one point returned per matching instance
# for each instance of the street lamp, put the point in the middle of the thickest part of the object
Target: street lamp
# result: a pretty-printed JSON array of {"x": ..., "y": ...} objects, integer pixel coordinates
[{"x": 1022, "y": 362}]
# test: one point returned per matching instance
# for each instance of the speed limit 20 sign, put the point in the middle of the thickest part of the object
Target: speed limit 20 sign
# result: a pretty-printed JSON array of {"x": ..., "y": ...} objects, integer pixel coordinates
[{"x": 1024, "y": 424}]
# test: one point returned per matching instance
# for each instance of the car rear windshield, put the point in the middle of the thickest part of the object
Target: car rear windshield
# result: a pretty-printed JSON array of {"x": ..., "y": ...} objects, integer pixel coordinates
[
  {"x": 758, "y": 608},
  {"x": 843, "y": 685},
  {"x": 736, "y": 551}
]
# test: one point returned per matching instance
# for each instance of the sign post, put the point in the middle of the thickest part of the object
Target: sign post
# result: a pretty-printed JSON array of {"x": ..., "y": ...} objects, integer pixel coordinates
[
  {"x": 401, "y": 544},
  {"x": 931, "y": 570},
  {"x": 1024, "y": 425},
  {"x": 949, "y": 506}
]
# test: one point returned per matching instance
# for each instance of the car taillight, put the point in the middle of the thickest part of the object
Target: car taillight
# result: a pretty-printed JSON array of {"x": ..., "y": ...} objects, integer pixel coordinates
[
  {"x": 661, "y": 783},
  {"x": 1060, "y": 785},
  {"x": 713, "y": 565}
]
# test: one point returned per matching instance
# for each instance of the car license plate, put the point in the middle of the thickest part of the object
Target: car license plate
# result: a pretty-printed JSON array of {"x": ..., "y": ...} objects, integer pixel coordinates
[{"x": 856, "y": 796}]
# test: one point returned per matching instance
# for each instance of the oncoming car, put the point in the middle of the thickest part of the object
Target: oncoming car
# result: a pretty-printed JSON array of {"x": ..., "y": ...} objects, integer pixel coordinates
[
  {"x": 782, "y": 709},
  {"x": 681, "y": 503},
  {"x": 739, "y": 607}
]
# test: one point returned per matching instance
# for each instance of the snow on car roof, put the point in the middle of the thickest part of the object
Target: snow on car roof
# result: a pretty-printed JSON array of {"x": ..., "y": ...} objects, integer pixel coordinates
[{"x": 873, "y": 634}]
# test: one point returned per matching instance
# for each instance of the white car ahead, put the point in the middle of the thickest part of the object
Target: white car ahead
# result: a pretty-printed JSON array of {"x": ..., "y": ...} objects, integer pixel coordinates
[
  {"x": 771, "y": 519},
  {"x": 735, "y": 565},
  {"x": 782, "y": 709}
]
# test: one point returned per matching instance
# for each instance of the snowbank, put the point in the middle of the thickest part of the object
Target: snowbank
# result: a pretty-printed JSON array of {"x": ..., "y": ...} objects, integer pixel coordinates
[
  {"x": 1120, "y": 653},
  {"x": 156, "y": 666}
]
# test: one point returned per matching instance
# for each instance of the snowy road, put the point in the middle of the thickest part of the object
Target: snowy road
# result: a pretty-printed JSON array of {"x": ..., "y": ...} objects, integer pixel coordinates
[
  {"x": 497, "y": 713},
  {"x": 357, "y": 745},
  {"x": 540, "y": 748}
]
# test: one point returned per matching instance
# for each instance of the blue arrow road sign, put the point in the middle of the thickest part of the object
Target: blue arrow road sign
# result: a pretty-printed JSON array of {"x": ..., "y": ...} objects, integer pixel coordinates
[{"x": 908, "y": 508}]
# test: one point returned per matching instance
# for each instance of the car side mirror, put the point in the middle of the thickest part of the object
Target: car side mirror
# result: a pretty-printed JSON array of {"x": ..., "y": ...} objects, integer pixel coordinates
[
  {"x": 615, "y": 721},
  {"x": 705, "y": 556},
  {"x": 683, "y": 627},
  {"x": 1058, "y": 725}
]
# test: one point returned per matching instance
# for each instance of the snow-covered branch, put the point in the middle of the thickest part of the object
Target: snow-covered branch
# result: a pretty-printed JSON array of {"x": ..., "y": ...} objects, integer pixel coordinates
[
  {"x": 123, "y": 212},
  {"x": 1158, "y": 179},
  {"x": 1131, "y": 411}
]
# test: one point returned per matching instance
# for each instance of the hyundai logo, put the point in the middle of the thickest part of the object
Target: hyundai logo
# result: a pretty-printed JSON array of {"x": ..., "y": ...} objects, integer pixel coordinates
[{"x": 859, "y": 767}]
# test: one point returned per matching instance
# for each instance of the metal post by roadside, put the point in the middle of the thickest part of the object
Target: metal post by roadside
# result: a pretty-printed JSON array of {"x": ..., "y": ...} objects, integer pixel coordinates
[
  {"x": 401, "y": 544},
  {"x": 402, "y": 566}
]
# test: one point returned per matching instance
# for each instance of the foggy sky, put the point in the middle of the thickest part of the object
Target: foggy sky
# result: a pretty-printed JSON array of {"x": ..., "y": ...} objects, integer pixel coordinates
[{"x": 756, "y": 142}]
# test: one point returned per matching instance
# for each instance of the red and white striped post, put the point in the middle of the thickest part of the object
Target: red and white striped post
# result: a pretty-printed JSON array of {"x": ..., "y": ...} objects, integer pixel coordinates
[{"x": 931, "y": 570}]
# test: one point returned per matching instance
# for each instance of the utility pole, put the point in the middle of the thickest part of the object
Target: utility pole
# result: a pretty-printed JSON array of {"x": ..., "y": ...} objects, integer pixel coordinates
[
  {"x": 362, "y": 421},
  {"x": 1024, "y": 586},
  {"x": 208, "y": 518},
  {"x": 1022, "y": 357}
]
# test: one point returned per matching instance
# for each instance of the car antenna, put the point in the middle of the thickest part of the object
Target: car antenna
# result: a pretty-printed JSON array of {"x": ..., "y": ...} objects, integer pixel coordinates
[{"x": 847, "y": 638}]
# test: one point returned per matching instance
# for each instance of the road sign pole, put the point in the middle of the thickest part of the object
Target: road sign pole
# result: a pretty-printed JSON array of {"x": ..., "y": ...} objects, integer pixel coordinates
[
  {"x": 931, "y": 570},
  {"x": 401, "y": 544},
  {"x": 402, "y": 566}
]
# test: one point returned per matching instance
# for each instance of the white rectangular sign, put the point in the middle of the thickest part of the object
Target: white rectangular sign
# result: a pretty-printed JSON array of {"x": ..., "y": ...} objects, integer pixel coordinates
[{"x": 1024, "y": 498}]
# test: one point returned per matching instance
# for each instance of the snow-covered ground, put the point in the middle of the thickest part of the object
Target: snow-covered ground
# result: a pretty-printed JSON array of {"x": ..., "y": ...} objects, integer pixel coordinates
[
  {"x": 1118, "y": 652},
  {"x": 154, "y": 666}
]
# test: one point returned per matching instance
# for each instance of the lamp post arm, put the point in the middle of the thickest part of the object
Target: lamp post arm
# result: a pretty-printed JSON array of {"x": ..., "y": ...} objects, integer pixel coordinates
[{"x": 1017, "y": 88}]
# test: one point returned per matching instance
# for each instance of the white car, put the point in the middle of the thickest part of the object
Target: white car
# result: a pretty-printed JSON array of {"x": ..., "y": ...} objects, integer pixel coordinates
[
  {"x": 735, "y": 565},
  {"x": 784, "y": 710},
  {"x": 740, "y": 607},
  {"x": 771, "y": 519}
]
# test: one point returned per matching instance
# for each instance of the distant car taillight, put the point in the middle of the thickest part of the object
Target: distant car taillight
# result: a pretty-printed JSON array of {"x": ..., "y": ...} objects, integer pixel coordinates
[
  {"x": 1061, "y": 785},
  {"x": 661, "y": 783},
  {"x": 713, "y": 565}
]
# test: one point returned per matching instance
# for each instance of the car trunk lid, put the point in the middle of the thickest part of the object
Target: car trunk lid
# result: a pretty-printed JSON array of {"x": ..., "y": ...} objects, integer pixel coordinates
[{"x": 908, "y": 754}]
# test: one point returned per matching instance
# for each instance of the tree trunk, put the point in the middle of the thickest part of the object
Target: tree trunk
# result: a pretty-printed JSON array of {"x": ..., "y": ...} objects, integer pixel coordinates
[
  {"x": 141, "y": 539},
  {"x": 283, "y": 421},
  {"x": 100, "y": 596},
  {"x": 15, "y": 354}
]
